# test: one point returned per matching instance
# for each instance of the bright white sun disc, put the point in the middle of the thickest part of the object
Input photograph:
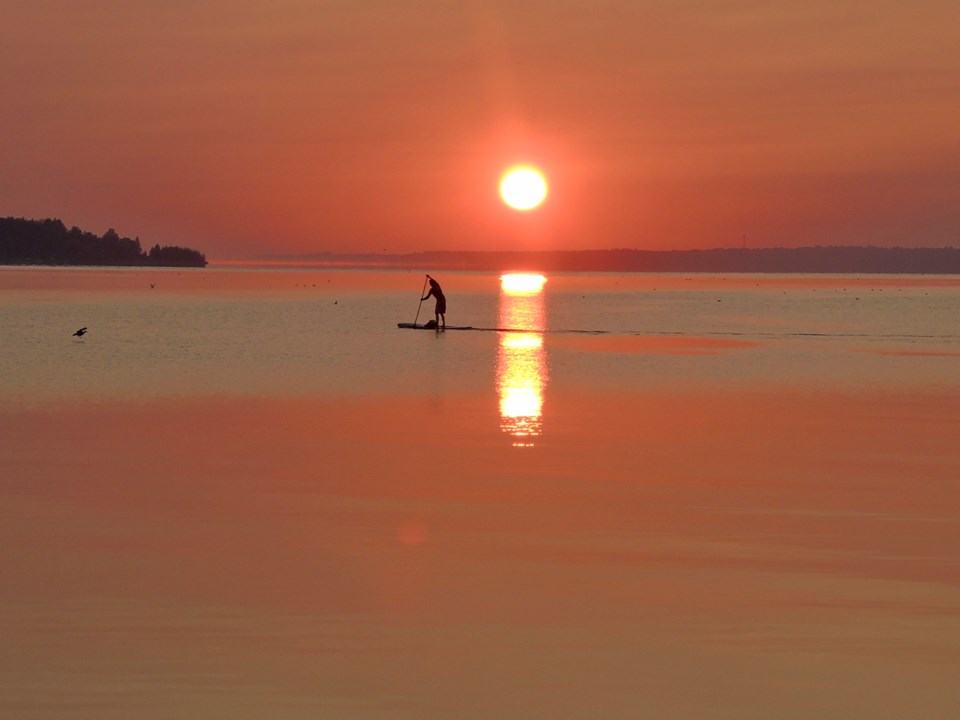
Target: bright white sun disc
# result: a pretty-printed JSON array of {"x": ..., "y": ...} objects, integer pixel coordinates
[{"x": 523, "y": 188}]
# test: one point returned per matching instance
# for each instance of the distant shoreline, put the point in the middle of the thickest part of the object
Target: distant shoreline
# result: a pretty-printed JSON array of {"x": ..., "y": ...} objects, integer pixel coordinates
[{"x": 807, "y": 260}]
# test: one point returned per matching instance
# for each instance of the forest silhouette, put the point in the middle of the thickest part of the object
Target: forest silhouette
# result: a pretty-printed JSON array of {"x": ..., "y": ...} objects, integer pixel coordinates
[{"x": 49, "y": 242}]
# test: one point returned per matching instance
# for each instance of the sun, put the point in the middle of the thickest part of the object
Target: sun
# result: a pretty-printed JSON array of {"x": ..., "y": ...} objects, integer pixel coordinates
[{"x": 523, "y": 187}]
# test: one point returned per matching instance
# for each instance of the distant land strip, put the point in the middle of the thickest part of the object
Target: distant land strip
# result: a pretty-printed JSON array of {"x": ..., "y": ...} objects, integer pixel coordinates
[
  {"x": 48, "y": 242},
  {"x": 816, "y": 259}
]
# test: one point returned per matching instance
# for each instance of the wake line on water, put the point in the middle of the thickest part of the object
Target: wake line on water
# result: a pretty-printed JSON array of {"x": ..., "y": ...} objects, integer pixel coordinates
[
  {"x": 674, "y": 333},
  {"x": 769, "y": 335}
]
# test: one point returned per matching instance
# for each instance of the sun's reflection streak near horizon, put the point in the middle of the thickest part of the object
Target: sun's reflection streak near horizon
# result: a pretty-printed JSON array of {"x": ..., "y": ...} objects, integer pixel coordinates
[{"x": 521, "y": 359}]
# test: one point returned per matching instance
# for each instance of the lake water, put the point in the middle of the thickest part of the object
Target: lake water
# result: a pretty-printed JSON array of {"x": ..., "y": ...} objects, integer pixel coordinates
[{"x": 245, "y": 493}]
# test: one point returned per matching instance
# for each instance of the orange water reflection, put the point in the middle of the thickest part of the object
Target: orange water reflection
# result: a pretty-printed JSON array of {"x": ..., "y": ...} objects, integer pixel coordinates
[{"x": 521, "y": 359}]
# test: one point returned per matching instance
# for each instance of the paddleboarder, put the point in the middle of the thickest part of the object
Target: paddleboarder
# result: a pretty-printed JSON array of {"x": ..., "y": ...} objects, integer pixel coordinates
[{"x": 441, "y": 308}]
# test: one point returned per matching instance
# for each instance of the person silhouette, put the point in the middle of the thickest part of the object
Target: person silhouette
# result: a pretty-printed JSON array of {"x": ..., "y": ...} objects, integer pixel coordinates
[{"x": 441, "y": 309}]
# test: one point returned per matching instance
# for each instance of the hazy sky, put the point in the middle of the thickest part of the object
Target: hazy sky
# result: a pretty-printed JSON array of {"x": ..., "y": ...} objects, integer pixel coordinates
[{"x": 297, "y": 126}]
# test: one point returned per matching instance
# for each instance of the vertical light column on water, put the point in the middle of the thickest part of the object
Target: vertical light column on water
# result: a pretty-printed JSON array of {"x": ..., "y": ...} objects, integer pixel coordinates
[{"x": 521, "y": 357}]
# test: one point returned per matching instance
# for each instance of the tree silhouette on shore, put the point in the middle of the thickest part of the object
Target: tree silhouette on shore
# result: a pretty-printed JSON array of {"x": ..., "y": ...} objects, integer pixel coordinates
[{"x": 49, "y": 242}]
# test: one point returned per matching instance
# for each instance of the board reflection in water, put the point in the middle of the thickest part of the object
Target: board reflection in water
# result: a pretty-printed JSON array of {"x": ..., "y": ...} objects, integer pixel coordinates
[{"x": 521, "y": 357}]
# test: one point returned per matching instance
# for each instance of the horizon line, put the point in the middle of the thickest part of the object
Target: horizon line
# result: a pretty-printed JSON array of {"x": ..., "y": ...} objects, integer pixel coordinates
[{"x": 732, "y": 249}]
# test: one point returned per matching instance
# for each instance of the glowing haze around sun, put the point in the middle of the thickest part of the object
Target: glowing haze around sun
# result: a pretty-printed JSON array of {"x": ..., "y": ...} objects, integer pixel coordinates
[{"x": 523, "y": 187}]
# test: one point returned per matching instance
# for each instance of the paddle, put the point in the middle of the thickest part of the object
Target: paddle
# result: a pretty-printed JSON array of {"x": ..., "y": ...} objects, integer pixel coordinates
[{"x": 421, "y": 300}]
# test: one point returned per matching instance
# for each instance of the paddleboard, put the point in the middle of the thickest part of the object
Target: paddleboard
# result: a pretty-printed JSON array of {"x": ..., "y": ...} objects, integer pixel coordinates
[{"x": 412, "y": 326}]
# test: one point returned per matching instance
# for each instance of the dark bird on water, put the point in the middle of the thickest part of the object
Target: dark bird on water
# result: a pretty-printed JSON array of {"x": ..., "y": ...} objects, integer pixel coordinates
[{"x": 80, "y": 333}]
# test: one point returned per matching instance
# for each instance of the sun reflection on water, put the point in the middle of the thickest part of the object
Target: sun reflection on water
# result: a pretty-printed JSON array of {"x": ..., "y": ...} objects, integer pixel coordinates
[{"x": 521, "y": 359}]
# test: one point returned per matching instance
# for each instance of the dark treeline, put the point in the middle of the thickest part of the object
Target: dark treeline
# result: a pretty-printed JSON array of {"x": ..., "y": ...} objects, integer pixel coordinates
[
  {"x": 819, "y": 259},
  {"x": 48, "y": 242}
]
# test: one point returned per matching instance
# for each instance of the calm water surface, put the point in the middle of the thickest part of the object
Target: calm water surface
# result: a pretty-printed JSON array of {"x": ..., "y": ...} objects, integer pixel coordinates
[
  {"x": 263, "y": 332},
  {"x": 246, "y": 493}
]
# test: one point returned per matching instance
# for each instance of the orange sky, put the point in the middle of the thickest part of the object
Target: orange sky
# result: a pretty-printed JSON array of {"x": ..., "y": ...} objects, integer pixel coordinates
[{"x": 296, "y": 126}]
